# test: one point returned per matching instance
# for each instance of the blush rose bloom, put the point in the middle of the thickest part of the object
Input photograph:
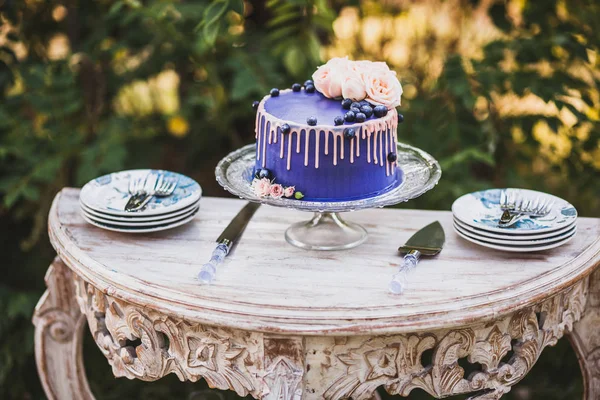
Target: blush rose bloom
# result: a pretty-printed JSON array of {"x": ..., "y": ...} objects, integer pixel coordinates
[
  {"x": 262, "y": 187},
  {"x": 353, "y": 86},
  {"x": 362, "y": 67},
  {"x": 328, "y": 78},
  {"x": 276, "y": 191},
  {"x": 289, "y": 191},
  {"x": 383, "y": 87}
]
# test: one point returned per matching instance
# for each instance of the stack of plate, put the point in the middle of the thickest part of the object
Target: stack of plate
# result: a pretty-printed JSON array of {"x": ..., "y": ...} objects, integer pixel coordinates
[
  {"x": 476, "y": 218},
  {"x": 103, "y": 202}
]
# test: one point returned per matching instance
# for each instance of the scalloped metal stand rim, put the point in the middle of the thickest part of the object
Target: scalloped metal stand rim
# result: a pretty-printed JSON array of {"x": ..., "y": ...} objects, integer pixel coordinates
[{"x": 421, "y": 173}]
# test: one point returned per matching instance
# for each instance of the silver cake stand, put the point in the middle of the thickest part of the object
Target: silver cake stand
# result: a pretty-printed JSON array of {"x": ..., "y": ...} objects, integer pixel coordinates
[{"x": 327, "y": 230}]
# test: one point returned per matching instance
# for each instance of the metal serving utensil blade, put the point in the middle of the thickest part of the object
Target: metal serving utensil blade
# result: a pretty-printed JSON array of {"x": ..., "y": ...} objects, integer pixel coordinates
[{"x": 428, "y": 241}]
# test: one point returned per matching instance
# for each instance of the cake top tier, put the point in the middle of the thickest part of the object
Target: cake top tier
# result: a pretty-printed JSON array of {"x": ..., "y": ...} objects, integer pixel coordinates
[
  {"x": 297, "y": 107},
  {"x": 342, "y": 93}
]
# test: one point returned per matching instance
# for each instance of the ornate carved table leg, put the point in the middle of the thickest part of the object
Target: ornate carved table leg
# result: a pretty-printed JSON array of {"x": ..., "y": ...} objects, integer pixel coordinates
[
  {"x": 500, "y": 354},
  {"x": 586, "y": 340},
  {"x": 58, "y": 333},
  {"x": 283, "y": 368}
]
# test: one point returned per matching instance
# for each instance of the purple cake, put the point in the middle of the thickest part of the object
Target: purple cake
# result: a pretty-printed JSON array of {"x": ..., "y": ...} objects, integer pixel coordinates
[{"x": 331, "y": 139}]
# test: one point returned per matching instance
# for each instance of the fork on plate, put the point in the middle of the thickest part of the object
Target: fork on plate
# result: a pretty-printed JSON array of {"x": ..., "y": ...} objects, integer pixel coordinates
[
  {"x": 163, "y": 187},
  {"x": 516, "y": 208}
]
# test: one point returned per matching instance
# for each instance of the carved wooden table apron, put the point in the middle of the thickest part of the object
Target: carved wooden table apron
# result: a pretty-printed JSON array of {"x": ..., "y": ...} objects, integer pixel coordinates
[{"x": 284, "y": 323}]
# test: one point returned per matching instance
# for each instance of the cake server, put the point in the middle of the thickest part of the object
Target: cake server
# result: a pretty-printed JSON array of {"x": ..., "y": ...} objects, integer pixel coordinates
[
  {"x": 226, "y": 241},
  {"x": 428, "y": 241}
]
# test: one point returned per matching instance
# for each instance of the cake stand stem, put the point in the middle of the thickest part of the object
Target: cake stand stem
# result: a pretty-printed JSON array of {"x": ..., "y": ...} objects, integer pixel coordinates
[{"x": 325, "y": 231}]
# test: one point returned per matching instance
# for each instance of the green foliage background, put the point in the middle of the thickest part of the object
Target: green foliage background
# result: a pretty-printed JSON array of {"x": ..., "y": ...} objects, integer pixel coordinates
[{"x": 65, "y": 119}]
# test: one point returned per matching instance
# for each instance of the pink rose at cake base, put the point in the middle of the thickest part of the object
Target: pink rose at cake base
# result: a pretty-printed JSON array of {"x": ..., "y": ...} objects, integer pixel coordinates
[
  {"x": 289, "y": 191},
  {"x": 262, "y": 187},
  {"x": 276, "y": 191}
]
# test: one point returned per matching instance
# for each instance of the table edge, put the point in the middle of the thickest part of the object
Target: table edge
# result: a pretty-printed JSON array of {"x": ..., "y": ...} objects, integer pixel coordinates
[{"x": 88, "y": 269}]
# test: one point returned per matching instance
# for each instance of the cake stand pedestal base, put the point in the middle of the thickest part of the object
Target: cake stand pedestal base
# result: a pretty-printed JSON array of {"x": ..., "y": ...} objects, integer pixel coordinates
[{"x": 325, "y": 231}]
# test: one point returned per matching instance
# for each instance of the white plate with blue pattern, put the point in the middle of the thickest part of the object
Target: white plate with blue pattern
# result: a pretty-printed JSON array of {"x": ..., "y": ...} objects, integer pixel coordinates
[
  {"x": 109, "y": 193},
  {"x": 142, "y": 229},
  {"x": 517, "y": 243},
  {"x": 134, "y": 217},
  {"x": 519, "y": 249},
  {"x": 482, "y": 210},
  {"x": 515, "y": 238},
  {"x": 140, "y": 224}
]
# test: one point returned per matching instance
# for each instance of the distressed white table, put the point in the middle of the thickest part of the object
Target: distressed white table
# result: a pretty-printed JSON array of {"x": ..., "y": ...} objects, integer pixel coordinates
[{"x": 284, "y": 323}]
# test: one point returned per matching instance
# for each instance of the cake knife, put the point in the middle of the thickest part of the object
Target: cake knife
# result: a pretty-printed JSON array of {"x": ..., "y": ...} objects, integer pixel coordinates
[
  {"x": 226, "y": 241},
  {"x": 427, "y": 241}
]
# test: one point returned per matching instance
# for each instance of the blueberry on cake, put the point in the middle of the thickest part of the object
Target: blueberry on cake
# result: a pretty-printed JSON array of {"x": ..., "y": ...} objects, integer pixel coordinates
[{"x": 332, "y": 138}]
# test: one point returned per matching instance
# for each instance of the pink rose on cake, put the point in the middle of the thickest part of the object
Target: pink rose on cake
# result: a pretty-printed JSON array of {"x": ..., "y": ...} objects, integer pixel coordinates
[
  {"x": 353, "y": 86},
  {"x": 261, "y": 187},
  {"x": 361, "y": 67},
  {"x": 276, "y": 191},
  {"x": 382, "y": 87},
  {"x": 359, "y": 80},
  {"x": 358, "y": 67},
  {"x": 289, "y": 191},
  {"x": 328, "y": 78}
]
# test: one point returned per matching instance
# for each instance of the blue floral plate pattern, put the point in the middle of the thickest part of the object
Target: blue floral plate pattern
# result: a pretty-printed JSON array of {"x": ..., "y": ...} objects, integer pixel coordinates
[
  {"x": 108, "y": 194},
  {"x": 482, "y": 210}
]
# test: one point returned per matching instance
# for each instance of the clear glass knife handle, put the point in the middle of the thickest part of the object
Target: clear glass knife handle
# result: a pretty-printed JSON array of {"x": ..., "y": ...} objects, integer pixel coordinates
[
  {"x": 398, "y": 282},
  {"x": 208, "y": 271}
]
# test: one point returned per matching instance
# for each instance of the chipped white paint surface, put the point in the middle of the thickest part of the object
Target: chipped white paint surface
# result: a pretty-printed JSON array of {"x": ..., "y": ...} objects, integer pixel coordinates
[{"x": 284, "y": 323}]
